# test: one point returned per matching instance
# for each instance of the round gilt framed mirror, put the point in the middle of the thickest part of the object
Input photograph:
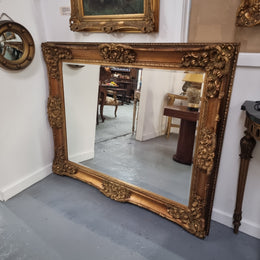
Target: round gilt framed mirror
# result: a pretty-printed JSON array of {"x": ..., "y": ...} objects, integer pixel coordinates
[{"x": 16, "y": 46}]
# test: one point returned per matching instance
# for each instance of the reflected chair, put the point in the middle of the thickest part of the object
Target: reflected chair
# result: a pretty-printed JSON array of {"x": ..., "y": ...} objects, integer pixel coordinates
[
  {"x": 105, "y": 100},
  {"x": 171, "y": 98}
]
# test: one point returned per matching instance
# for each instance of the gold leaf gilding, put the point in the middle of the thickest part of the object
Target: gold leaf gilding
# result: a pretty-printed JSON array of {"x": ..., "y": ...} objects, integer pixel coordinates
[
  {"x": 216, "y": 61},
  {"x": 190, "y": 217},
  {"x": 115, "y": 191},
  {"x": 53, "y": 56},
  {"x": 117, "y": 53},
  {"x": 60, "y": 165},
  {"x": 206, "y": 150},
  {"x": 55, "y": 112}
]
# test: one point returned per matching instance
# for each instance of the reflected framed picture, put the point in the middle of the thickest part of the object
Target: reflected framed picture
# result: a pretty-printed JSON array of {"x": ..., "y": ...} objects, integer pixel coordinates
[{"x": 115, "y": 15}]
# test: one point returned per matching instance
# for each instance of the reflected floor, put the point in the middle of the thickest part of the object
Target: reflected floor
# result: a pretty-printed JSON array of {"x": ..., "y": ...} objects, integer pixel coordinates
[{"x": 148, "y": 165}]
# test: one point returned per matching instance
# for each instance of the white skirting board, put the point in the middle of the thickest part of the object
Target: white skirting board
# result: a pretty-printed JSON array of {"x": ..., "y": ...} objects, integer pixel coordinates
[
  {"x": 151, "y": 135},
  {"x": 247, "y": 227},
  {"x": 24, "y": 183},
  {"x": 80, "y": 157},
  {"x": 248, "y": 59}
]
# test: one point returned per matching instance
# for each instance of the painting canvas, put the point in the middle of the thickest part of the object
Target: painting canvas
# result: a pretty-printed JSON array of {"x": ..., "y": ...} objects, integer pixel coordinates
[{"x": 113, "y": 7}]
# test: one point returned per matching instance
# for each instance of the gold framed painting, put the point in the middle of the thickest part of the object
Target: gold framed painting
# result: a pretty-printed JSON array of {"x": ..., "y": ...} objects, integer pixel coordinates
[{"x": 115, "y": 15}]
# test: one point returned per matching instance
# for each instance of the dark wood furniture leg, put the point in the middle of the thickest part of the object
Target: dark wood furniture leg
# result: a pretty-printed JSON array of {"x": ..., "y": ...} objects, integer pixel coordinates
[
  {"x": 185, "y": 142},
  {"x": 247, "y": 145},
  {"x": 101, "y": 112},
  {"x": 102, "y": 98}
]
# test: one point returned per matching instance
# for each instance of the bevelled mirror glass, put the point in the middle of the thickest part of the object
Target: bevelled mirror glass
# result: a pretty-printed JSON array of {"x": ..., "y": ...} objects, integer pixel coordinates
[
  {"x": 16, "y": 46},
  {"x": 143, "y": 123}
]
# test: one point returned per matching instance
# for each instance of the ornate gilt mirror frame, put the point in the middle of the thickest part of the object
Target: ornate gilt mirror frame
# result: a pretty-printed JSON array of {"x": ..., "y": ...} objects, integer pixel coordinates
[
  {"x": 248, "y": 13},
  {"x": 218, "y": 61},
  {"x": 145, "y": 22}
]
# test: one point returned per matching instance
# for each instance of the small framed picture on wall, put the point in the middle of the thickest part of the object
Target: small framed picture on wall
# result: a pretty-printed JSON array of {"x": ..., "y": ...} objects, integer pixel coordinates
[{"x": 115, "y": 15}]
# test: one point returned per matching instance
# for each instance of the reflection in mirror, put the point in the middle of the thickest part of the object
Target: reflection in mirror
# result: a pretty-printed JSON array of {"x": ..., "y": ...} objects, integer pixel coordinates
[
  {"x": 11, "y": 46},
  {"x": 137, "y": 125}
]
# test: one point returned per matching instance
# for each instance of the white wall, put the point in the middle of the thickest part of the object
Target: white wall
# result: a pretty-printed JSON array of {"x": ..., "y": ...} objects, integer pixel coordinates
[
  {"x": 246, "y": 87},
  {"x": 171, "y": 23},
  {"x": 81, "y": 94},
  {"x": 155, "y": 86},
  {"x": 26, "y": 150}
]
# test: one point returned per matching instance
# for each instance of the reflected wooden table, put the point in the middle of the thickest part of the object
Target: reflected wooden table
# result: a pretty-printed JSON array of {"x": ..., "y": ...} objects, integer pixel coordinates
[{"x": 187, "y": 131}]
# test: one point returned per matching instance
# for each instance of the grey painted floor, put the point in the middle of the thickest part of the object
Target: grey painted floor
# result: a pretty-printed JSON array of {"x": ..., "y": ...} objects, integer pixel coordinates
[
  {"x": 115, "y": 126},
  {"x": 61, "y": 218},
  {"x": 148, "y": 164}
]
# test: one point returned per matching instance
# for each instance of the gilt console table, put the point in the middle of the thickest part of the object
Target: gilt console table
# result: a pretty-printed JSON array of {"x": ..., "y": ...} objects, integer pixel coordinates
[{"x": 247, "y": 145}]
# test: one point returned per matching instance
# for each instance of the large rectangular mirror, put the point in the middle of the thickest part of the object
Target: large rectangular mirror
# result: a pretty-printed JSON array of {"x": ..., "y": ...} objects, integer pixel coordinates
[{"x": 143, "y": 123}]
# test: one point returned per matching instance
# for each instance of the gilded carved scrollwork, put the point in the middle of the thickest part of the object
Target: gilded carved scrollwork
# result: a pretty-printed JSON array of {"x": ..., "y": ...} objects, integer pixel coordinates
[
  {"x": 115, "y": 191},
  {"x": 216, "y": 61},
  {"x": 145, "y": 26},
  {"x": 117, "y": 53},
  {"x": 74, "y": 23},
  {"x": 55, "y": 115},
  {"x": 149, "y": 24},
  {"x": 206, "y": 150},
  {"x": 248, "y": 13},
  {"x": 191, "y": 217},
  {"x": 60, "y": 165},
  {"x": 52, "y": 56}
]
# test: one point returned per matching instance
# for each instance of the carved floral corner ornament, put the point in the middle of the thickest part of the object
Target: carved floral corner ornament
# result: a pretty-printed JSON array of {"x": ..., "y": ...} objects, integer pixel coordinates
[
  {"x": 52, "y": 57},
  {"x": 248, "y": 13},
  {"x": 117, "y": 53},
  {"x": 61, "y": 165},
  {"x": 191, "y": 217},
  {"x": 215, "y": 61}
]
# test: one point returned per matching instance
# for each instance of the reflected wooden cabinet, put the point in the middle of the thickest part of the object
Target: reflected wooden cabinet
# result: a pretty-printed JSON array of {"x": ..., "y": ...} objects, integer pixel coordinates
[{"x": 125, "y": 79}]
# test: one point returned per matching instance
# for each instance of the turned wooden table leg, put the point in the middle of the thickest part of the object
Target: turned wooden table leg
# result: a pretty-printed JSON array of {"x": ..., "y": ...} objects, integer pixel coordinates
[
  {"x": 134, "y": 115},
  {"x": 247, "y": 145}
]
